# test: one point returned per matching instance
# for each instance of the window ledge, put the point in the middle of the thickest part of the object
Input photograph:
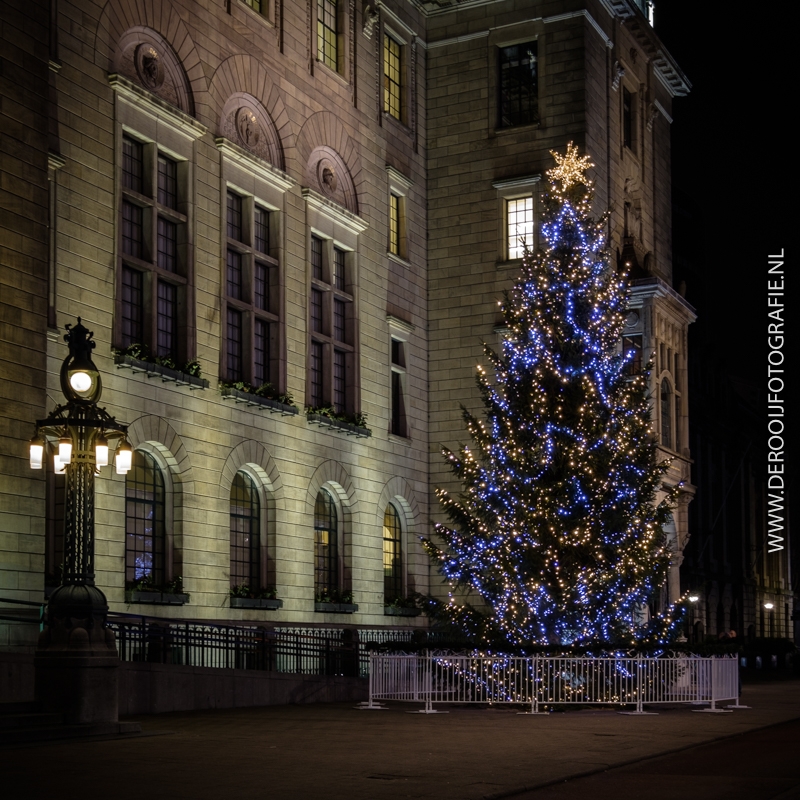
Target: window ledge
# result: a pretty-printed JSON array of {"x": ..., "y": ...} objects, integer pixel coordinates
[
  {"x": 509, "y": 263},
  {"x": 257, "y": 401},
  {"x": 393, "y": 611},
  {"x": 339, "y": 426},
  {"x": 399, "y": 124},
  {"x": 166, "y": 374},
  {"x": 396, "y": 437},
  {"x": 530, "y": 126},
  {"x": 336, "y": 608},
  {"x": 333, "y": 73},
  {"x": 156, "y": 598},
  {"x": 271, "y": 604},
  {"x": 398, "y": 259}
]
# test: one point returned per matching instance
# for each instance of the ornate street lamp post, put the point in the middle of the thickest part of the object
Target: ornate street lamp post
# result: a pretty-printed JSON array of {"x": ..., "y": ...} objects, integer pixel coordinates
[{"x": 76, "y": 658}]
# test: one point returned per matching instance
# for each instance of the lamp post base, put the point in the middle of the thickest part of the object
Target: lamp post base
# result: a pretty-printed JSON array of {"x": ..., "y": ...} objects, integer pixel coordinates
[{"x": 76, "y": 662}]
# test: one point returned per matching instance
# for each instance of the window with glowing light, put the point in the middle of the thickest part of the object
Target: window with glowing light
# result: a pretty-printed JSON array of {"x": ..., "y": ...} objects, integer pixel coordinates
[
  {"x": 328, "y": 36},
  {"x": 392, "y": 556},
  {"x": 519, "y": 226},
  {"x": 392, "y": 76}
]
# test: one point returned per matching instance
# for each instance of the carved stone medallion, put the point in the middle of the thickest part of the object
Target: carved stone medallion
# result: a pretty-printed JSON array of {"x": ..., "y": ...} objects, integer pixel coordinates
[
  {"x": 149, "y": 67},
  {"x": 326, "y": 175},
  {"x": 248, "y": 128}
]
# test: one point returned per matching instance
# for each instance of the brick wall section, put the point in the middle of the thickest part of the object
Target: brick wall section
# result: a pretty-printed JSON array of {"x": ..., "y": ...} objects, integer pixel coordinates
[{"x": 24, "y": 76}]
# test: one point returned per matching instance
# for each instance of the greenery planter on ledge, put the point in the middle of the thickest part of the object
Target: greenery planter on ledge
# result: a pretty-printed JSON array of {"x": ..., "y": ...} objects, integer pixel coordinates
[
  {"x": 157, "y": 371},
  {"x": 338, "y": 426},
  {"x": 336, "y": 608},
  {"x": 258, "y": 401},
  {"x": 393, "y": 611},
  {"x": 271, "y": 604},
  {"x": 156, "y": 598}
]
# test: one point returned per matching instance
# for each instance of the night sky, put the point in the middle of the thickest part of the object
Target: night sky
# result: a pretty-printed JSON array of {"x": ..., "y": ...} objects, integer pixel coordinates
[
  {"x": 734, "y": 186},
  {"x": 734, "y": 172}
]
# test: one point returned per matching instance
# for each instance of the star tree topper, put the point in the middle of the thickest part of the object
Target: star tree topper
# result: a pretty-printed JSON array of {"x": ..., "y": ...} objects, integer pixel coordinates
[{"x": 570, "y": 167}]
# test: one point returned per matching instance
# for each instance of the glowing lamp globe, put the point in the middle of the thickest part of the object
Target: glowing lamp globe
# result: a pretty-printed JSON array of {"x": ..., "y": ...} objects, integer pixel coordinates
[
  {"x": 80, "y": 381},
  {"x": 37, "y": 452}
]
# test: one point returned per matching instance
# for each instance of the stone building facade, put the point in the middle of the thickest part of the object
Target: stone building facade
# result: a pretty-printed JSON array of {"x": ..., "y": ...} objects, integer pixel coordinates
[{"x": 326, "y": 197}]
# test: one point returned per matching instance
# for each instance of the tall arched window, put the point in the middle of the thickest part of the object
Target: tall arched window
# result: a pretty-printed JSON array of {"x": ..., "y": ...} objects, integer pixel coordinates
[
  {"x": 666, "y": 414},
  {"x": 326, "y": 555},
  {"x": 245, "y": 533},
  {"x": 145, "y": 530},
  {"x": 392, "y": 556}
]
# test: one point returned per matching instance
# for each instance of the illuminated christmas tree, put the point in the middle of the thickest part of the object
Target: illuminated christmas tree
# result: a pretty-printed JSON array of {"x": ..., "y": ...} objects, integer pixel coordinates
[{"x": 557, "y": 530}]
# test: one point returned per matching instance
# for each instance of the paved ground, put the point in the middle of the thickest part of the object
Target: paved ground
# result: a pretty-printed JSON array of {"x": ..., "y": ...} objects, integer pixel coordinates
[{"x": 333, "y": 752}]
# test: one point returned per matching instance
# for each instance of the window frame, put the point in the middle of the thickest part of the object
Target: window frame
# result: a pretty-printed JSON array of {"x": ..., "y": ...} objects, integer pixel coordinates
[
  {"x": 163, "y": 538},
  {"x": 340, "y": 35},
  {"x": 513, "y": 190},
  {"x": 397, "y": 578},
  {"x": 398, "y": 113},
  {"x": 246, "y": 305},
  {"x": 330, "y": 295},
  {"x": 261, "y": 187},
  {"x": 337, "y": 229},
  {"x": 400, "y": 333},
  {"x": 399, "y": 187},
  {"x": 256, "y": 544},
  {"x": 533, "y": 110},
  {"x": 147, "y": 264},
  {"x": 332, "y": 568},
  {"x": 158, "y": 127}
]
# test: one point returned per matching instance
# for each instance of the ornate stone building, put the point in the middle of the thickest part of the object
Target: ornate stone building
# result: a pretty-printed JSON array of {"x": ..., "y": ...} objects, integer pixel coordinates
[{"x": 325, "y": 197}]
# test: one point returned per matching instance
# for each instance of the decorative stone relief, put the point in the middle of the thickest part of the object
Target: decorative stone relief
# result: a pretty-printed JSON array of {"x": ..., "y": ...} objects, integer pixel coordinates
[
  {"x": 327, "y": 173},
  {"x": 245, "y": 122},
  {"x": 618, "y": 74},
  {"x": 652, "y": 113},
  {"x": 370, "y": 19},
  {"x": 144, "y": 57},
  {"x": 149, "y": 67}
]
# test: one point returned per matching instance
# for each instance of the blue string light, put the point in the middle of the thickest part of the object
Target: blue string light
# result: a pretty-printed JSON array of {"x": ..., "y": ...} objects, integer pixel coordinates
[{"x": 557, "y": 532}]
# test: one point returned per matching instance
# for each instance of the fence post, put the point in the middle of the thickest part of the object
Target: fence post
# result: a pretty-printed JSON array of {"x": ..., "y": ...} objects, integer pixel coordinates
[
  {"x": 639, "y": 692},
  {"x": 534, "y": 663}
]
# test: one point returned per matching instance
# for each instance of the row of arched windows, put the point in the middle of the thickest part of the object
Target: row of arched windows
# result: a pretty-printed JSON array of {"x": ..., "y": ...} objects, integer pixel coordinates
[{"x": 146, "y": 539}]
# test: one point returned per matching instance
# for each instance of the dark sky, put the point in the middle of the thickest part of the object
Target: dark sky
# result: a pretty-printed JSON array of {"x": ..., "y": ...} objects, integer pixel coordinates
[
  {"x": 734, "y": 186},
  {"x": 733, "y": 164}
]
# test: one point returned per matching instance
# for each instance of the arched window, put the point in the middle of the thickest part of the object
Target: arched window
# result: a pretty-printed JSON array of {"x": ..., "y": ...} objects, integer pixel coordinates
[
  {"x": 145, "y": 530},
  {"x": 245, "y": 533},
  {"x": 326, "y": 555},
  {"x": 666, "y": 414},
  {"x": 392, "y": 556}
]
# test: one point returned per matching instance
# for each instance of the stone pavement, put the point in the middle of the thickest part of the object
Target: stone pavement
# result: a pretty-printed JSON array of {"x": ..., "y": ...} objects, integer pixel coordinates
[{"x": 333, "y": 752}]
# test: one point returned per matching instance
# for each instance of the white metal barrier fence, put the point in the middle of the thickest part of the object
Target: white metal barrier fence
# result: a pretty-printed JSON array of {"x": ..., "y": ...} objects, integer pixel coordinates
[{"x": 545, "y": 680}]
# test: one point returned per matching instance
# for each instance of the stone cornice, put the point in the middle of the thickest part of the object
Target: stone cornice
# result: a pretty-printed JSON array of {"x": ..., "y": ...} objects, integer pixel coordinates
[
  {"x": 646, "y": 288},
  {"x": 156, "y": 107},
  {"x": 252, "y": 163},
  {"x": 333, "y": 210}
]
